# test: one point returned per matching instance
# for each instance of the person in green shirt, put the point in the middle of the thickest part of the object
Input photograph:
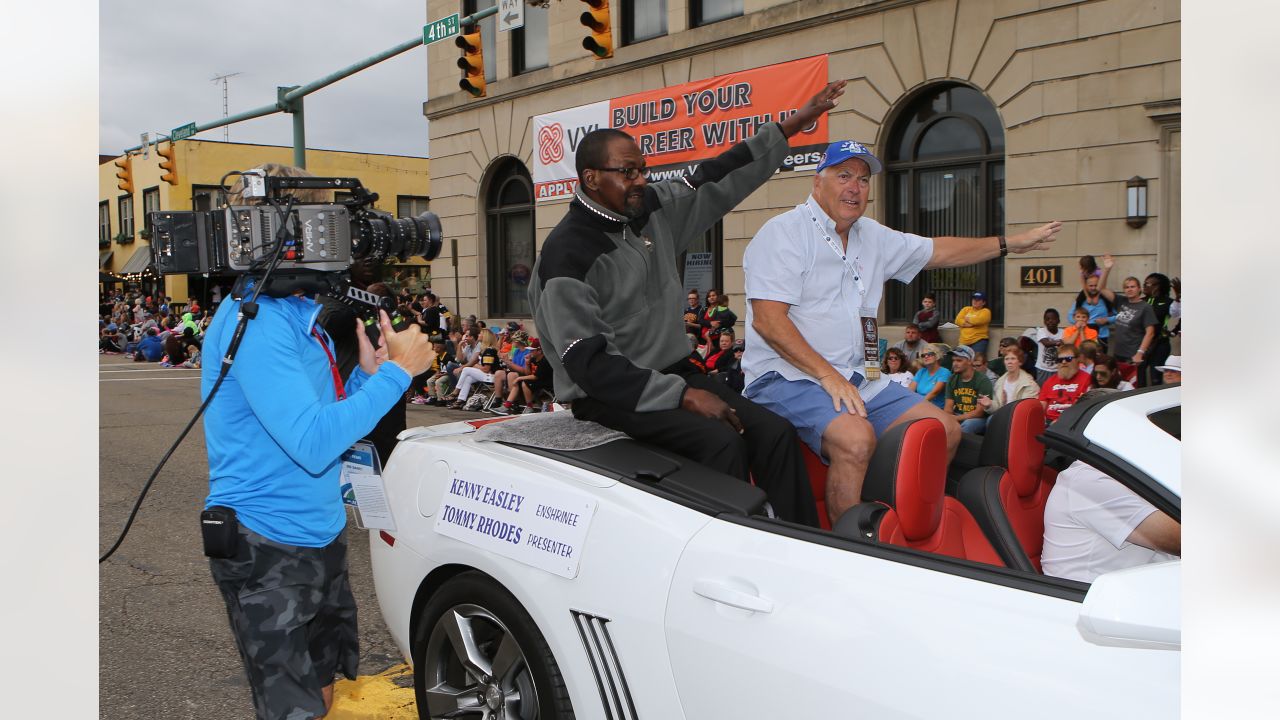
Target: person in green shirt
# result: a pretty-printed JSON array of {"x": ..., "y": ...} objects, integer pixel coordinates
[{"x": 964, "y": 388}]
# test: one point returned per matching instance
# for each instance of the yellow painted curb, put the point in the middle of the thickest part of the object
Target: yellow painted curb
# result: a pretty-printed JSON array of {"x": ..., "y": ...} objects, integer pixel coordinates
[{"x": 376, "y": 697}]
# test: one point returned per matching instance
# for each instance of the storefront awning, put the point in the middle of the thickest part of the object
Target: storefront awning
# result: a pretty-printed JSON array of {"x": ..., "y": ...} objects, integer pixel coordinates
[
  {"x": 138, "y": 262},
  {"x": 104, "y": 257},
  {"x": 106, "y": 277}
]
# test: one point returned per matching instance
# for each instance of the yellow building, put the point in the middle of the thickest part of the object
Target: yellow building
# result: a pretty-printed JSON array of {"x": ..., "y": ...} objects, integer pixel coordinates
[
  {"x": 403, "y": 185},
  {"x": 991, "y": 116}
]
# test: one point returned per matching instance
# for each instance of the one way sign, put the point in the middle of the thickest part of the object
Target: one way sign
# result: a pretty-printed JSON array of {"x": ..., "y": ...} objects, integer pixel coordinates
[{"x": 510, "y": 15}]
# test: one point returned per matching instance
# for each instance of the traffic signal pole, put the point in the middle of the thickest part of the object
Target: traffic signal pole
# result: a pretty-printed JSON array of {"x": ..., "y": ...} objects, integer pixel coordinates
[{"x": 289, "y": 99}]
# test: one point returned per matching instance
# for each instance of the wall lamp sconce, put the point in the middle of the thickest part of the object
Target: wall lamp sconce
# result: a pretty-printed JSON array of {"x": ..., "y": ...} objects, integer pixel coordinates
[{"x": 1136, "y": 194}]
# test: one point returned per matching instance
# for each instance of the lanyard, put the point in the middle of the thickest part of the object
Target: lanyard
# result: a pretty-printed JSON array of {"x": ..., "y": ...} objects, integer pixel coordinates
[
  {"x": 835, "y": 248},
  {"x": 333, "y": 365}
]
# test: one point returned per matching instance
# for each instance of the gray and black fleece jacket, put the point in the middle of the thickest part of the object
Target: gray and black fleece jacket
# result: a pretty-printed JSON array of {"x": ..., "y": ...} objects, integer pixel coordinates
[{"x": 606, "y": 292}]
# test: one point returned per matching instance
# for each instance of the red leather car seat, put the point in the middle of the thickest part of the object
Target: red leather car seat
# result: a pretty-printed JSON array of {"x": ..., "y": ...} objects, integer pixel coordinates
[
  {"x": 1008, "y": 494},
  {"x": 818, "y": 481},
  {"x": 905, "y": 501}
]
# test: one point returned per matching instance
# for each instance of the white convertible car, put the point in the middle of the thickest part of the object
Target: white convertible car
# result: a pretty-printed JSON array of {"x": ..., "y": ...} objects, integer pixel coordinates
[{"x": 528, "y": 579}]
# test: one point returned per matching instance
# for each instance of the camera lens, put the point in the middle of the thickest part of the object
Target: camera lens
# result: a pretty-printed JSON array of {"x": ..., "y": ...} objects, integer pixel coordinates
[{"x": 380, "y": 235}]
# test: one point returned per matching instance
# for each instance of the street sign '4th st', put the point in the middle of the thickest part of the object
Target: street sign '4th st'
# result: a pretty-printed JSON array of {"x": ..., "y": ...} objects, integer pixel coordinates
[{"x": 442, "y": 29}]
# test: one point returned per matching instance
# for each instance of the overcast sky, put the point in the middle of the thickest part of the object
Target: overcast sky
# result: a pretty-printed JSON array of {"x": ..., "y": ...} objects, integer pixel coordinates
[{"x": 157, "y": 59}]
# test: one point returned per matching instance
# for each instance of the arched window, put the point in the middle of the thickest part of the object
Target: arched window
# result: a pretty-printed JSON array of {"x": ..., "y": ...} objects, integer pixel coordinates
[
  {"x": 509, "y": 225},
  {"x": 944, "y": 175}
]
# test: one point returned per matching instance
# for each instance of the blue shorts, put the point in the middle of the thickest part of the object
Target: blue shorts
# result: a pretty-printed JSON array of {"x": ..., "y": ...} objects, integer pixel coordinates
[{"x": 808, "y": 407}]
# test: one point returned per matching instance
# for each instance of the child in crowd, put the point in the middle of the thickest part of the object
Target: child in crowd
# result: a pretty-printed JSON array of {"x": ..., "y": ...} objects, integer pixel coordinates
[
  {"x": 1089, "y": 268},
  {"x": 530, "y": 383},
  {"x": 927, "y": 318},
  {"x": 517, "y": 364},
  {"x": 1079, "y": 330},
  {"x": 1049, "y": 337},
  {"x": 429, "y": 389}
]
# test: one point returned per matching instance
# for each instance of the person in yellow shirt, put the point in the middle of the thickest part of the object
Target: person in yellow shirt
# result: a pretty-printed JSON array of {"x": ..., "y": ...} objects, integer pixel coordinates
[{"x": 974, "y": 319}]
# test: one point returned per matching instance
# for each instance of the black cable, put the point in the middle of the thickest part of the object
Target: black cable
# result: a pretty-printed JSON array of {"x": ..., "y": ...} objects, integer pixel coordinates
[{"x": 248, "y": 311}]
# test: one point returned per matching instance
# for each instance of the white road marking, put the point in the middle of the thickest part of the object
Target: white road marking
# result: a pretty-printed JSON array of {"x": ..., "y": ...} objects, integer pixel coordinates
[
  {"x": 158, "y": 370},
  {"x": 176, "y": 377}
]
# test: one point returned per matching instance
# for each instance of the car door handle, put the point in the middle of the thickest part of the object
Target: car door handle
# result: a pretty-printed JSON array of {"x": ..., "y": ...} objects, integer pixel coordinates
[{"x": 722, "y": 593}]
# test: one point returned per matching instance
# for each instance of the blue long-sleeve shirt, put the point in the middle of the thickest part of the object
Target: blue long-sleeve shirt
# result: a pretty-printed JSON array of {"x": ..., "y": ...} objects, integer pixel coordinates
[
  {"x": 1096, "y": 310},
  {"x": 276, "y": 430}
]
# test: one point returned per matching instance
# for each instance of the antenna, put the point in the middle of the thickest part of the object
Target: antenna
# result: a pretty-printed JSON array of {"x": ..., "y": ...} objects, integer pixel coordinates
[{"x": 226, "y": 129}]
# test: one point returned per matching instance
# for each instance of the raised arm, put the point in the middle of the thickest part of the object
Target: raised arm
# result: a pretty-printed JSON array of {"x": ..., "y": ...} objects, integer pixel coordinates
[
  {"x": 719, "y": 184},
  {"x": 958, "y": 251},
  {"x": 1108, "y": 262}
]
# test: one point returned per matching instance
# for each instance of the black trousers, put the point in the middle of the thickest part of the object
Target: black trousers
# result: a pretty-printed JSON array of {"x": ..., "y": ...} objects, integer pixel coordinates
[
  {"x": 1148, "y": 375},
  {"x": 768, "y": 450}
]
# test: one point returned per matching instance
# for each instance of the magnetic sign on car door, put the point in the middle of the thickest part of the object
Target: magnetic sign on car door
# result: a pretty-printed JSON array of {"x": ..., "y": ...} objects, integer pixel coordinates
[{"x": 536, "y": 525}]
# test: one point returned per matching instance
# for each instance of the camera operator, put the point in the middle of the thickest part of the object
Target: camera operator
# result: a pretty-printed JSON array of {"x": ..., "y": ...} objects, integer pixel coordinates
[
  {"x": 342, "y": 325},
  {"x": 275, "y": 432}
]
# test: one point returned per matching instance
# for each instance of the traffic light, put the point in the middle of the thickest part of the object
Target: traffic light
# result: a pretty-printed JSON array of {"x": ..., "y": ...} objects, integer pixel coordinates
[
  {"x": 600, "y": 41},
  {"x": 472, "y": 62},
  {"x": 169, "y": 165},
  {"x": 125, "y": 174}
]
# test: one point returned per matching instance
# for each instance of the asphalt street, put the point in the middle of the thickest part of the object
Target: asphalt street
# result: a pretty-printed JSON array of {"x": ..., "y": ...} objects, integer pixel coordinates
[{"x": 165, "y": 650}]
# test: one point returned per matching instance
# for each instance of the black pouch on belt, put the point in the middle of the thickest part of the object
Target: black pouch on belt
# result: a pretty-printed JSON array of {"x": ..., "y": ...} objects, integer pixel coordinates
[{"x": 221, "y": 531}]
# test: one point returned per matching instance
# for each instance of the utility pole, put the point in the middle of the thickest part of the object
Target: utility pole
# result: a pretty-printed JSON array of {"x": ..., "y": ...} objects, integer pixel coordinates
[{"x": 226, "y": 129}]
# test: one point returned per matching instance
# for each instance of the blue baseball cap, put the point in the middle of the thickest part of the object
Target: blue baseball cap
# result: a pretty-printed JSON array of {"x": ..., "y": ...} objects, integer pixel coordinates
[{"x": 838, "y": 152}]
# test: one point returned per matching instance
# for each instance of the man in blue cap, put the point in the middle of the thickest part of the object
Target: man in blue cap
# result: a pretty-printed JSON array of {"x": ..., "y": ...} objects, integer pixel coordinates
[{"x": 814, "y": 278}]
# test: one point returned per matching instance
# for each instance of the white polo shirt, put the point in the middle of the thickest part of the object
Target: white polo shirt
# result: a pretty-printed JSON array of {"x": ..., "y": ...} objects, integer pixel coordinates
[
  {"x": 790, "y": 261},
  {"x": 1087, "y": 523}
]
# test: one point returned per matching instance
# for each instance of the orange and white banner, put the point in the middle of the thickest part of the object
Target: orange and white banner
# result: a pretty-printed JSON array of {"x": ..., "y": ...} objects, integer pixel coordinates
[{"x": 680, "y": 126}]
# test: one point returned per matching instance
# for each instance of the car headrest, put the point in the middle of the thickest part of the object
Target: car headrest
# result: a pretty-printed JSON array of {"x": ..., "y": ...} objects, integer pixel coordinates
[
  {"x": 908, "y": 472},
  {"x": 1012, "y": 442}
]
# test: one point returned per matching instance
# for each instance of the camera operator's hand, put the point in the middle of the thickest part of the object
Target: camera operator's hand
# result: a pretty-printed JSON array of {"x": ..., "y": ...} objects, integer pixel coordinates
[
  {"x": 370, "y": 357},
  {"x": 408, "y": 348},
  {"x": 707, "y": 404}
]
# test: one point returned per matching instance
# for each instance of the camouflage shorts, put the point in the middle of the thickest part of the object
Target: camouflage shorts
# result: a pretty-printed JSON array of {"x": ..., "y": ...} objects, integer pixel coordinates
[{"x": 294, "y": 620}]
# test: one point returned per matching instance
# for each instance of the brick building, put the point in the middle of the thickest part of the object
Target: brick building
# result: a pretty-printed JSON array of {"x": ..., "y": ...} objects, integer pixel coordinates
[{"x": 991, "y": 116}]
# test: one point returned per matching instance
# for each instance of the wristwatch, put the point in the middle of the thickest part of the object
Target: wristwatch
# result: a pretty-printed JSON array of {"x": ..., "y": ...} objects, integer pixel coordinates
[{"x": 1004, "y": 246}]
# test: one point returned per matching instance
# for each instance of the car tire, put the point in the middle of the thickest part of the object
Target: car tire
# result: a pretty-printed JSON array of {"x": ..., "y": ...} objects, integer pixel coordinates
[{"x": 478, "y": 654}]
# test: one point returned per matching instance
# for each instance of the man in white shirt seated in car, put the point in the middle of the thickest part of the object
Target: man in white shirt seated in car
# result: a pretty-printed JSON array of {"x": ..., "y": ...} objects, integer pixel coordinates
[{"x": 1094, "y": 525}]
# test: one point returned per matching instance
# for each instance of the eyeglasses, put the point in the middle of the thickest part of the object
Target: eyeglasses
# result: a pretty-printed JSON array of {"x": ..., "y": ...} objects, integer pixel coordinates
[
  {"x": 630, "y": 173},
  {"x": 928, "y": 354},
  {"x": 1065, "y": 359}
]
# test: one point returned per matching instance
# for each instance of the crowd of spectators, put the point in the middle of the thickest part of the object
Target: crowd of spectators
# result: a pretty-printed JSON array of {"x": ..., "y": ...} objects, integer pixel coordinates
[
  {"x": 1115, "y": 341},
  {"x": 150, "y": 328},
  {"x": 496, "y": 369}
]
